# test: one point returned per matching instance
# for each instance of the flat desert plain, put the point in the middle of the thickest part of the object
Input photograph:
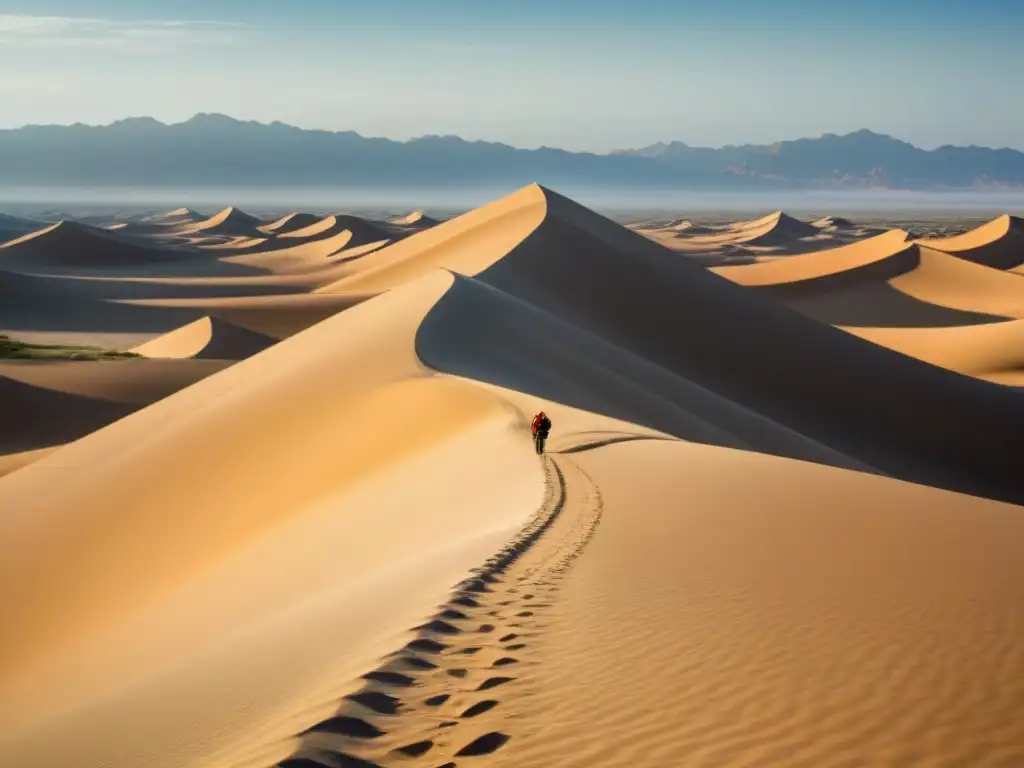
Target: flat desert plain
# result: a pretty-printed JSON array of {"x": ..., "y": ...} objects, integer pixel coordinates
[{"x": 269, "y": 495}]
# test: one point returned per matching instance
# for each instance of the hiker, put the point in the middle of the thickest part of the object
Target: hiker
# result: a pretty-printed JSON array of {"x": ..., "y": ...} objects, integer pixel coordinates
[{"x": 540, "y": 428}]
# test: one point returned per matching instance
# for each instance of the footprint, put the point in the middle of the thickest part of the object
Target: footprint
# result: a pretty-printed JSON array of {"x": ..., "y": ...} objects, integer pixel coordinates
[
  {"x": 485, "y": 745},
  {"x": 457, "y": 672},
  {"x": 486, "y": 628},
  {"x": 390, "y": 678},
  {"x": 515, "y": 647},
  {"x": 417, "y": 749},
  {"x": 524, "y": 614},
  {"x": 417, "y": 663},
  {"x": 440, "y": 627},
  {"x": 347, "y": 726},
  {"x": 471, "y": 650},
  {"x": 347, "y": 761},
  {"x": 425, "y": 645},
  {"x": 507, "y": 638},
  {"x": 437, "y": 701},
  {"x": 494, "y": 682},
  {"x": 454, "y": 615},
  {"x": 378, "y": 701},
  {"x": 479, "y": 708},
  {"x": 505, "y": 661}
]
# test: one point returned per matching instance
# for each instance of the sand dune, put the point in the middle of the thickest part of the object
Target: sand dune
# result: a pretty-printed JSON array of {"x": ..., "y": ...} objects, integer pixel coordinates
[
  {"x": 689, "y": 228},
  {"x": 342, "y": 549},
  {"x": 178, "y": 215},
  {"x": 998, "y": 244},
  {"x": 230, "y": 221},
  {"x": 415, "y": 219},
  {"x": 363, "y": 231},
  {"x": 772, "y": 229},
  {"x": 994, "y": 351},
  {"x": 887, "y": 255},
  {"x": 70, "y": 244},
  {"x": 776, "y": 233},
  {"x": 941, "y": 290},
  {"x": 49, "y": 404},
  {"x": 207, "y": 338},
  {"x": 12, "y": 227},
  {"x": 12, "y": 462},
  {"x": 832, "y": 222},
  {"x": 290, "y": 223},
  {"x": 278, "y": 316},
  {"x": 508, "y": 245}
]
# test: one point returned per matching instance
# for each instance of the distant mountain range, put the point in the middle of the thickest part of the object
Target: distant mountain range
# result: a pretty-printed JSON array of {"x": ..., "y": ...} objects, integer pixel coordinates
[{"x": 212, "y": 149}]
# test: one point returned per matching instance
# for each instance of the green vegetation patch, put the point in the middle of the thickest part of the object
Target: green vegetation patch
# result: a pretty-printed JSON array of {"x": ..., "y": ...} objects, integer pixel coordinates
[{"x": 10, "y": 349}]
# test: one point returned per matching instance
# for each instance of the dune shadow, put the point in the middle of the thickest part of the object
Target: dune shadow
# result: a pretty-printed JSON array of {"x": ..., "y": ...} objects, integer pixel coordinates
[
  {"x": 36, "y": 417},
  {"x": 877, "y": 305},
  {"x": 587, "y": 313}
]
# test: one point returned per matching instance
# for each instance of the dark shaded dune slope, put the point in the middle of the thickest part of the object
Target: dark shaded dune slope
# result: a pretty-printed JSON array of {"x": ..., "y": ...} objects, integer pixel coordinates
[
  {"x": 512, "y": 343},
  {"x": 905, "y": 417}
]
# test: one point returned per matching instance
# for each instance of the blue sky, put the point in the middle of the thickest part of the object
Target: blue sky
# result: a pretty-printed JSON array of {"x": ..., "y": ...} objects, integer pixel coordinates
[{"x": 591, "y": 74}]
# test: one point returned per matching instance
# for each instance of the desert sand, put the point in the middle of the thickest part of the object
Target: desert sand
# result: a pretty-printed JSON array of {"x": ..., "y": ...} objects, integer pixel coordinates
[{"x": 778, "y": 521}]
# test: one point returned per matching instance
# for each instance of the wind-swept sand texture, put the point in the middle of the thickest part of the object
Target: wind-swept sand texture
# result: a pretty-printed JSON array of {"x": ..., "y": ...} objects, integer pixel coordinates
[
  {"x": 858, "y": 621},
  {"x": 998, "y": 244},
  {"x": 343, "y": 551},
  {"x": 206, "y": 338}
]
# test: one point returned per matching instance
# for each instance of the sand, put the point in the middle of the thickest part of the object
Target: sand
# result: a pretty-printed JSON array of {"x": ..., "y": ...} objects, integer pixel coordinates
[
  {"x": 308, "y": 529},
  {"x": 999, "y": 243},
  {"x": 206, "y": 338}
]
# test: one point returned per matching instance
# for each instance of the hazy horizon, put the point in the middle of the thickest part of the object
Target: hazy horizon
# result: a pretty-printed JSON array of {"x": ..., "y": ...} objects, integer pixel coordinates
[
  {"x": 581, "y": 76},
  {"x": 319, "y": 199}
]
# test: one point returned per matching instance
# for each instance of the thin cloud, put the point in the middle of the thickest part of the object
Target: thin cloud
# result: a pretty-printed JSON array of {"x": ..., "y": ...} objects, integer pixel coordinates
[{"x": 25, "y": 30}]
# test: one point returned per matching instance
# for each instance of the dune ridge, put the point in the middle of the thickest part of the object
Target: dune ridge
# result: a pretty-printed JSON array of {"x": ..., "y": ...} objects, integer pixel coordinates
[
  {"x": 207, "y": 338},
  {"x": 229, "y": 221},
  {"x": 885, "y": 255},
  {"x": 71, "y": 244},
  {"x": 290, "y": 223},
  {"x": 998, "y": 244}
]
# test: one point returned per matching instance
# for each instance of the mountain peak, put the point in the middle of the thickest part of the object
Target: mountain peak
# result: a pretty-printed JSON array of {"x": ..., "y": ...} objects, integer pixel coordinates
[{"x": 212, "y": 119}]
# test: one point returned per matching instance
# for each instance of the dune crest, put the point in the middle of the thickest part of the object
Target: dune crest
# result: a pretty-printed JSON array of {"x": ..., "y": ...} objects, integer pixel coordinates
[
  {"x": 71, "y": 244},
  {"x": 998, "y": 244},
  {"x": 830, "y": 266},
  {"x": 416, "y": 218},
  {"x": 207, "y": 338},
  {"x": 290, "y": 223},
  {"x": 229, "y": 221}
]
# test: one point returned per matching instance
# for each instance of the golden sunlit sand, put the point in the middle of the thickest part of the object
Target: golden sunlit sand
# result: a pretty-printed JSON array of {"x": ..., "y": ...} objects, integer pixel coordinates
[{"x": 777, "y": 523}]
